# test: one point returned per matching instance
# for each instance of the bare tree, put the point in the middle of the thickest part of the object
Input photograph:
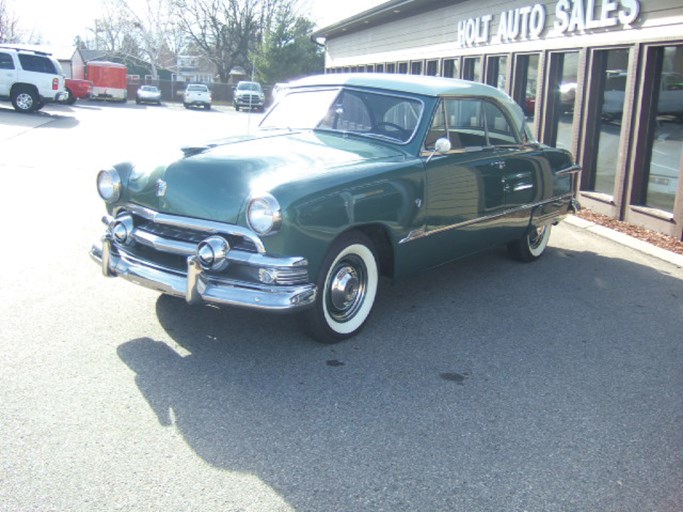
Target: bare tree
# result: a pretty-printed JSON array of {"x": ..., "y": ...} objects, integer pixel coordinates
[
  {"x": 227, "y": 32},
  {"x": 144, "y": 30},
  {"x": 156, "y": 30},
  {"x": 112, "y": 30},
  {"x": 9, "y": 25}
]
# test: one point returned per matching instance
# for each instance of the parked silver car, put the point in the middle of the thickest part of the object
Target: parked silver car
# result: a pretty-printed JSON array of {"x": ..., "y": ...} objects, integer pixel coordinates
[{"x": 148, "y": 94}]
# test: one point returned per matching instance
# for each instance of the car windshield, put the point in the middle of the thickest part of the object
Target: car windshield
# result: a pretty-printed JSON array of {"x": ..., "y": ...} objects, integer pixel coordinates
[
  {"x": 249, "y": 86},
  {"x": 149, "y": 88},
  {"x": 373, "y": 114},
  {"x": 196, "y": 88}
]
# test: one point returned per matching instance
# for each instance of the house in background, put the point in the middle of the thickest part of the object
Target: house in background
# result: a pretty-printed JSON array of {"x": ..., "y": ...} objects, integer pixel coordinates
[{"x": 194, "y": 68}]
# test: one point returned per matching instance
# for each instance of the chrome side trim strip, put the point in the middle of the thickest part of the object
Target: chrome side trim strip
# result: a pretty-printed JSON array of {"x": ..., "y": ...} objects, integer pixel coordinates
[
  {"x": 569, "y": 170},
  {"x": 423, "y": 232}
]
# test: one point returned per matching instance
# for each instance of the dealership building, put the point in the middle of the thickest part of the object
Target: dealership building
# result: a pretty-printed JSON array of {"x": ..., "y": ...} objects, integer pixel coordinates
[{"x": 602, "y": 78}]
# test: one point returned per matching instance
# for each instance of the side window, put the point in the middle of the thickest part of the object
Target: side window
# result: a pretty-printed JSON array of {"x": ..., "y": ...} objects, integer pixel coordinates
[
  {"x": 438, "y": 129},
  {"x": 37, "y": 64},
  {"x": 6, "y": 61},
  {"x": 466, "y": 123},
  {"x": 497, "y": 126},
  {"x": 470, "y": 123}
]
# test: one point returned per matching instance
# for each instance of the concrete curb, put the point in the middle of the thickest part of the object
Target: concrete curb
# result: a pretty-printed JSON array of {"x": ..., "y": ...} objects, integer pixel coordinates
[{"x": 626, "y": 240}]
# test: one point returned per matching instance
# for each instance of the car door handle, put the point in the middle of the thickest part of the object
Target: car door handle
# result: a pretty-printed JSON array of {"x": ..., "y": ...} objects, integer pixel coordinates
[{"x": 499, "y": 163}]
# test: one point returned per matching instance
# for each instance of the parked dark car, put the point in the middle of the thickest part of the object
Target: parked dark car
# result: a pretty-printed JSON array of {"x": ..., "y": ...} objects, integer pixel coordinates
[{"x": 350, "y": 178}]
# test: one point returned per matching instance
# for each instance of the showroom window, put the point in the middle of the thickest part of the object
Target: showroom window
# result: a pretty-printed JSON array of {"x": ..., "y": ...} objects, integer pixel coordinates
[
  {"x": 604, "y": 128},
  {"x": 496, "y": 72},
  {"x": 562, "y": 88},
  {"x": 432, "y": 68},
  {"x": 665, "y": 131},
  {"x": 525, "y": 89},
  {"x": 471, "y": 68},
  {"x": 451, "y": 68},
  {"x": 403, "y": 68},
  {"x": 416, "y": 67}
]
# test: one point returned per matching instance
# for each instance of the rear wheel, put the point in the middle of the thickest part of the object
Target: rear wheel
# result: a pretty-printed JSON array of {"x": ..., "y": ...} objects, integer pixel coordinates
[
  {"x": 70, "y": 98},
  {"x": 532, "y": 246},
  {"x": 25, "y": 99},
  {"x": 347, "y": 286}
]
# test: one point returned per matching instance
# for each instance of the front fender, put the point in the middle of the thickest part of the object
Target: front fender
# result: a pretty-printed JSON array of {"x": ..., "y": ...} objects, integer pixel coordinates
[{"x": 391, "y": 199}]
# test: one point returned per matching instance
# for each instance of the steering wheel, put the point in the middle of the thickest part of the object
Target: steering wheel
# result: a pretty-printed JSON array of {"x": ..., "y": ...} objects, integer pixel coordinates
[{"x": 392, "y": 127}]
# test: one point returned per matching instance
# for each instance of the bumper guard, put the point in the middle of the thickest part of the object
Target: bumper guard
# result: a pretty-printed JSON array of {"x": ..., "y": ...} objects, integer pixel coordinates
[{"x": 198, "y": 287}]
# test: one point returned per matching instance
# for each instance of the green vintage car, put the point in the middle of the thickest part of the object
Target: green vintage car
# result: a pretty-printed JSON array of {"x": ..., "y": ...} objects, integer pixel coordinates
[{"x": 349, "y": 178}]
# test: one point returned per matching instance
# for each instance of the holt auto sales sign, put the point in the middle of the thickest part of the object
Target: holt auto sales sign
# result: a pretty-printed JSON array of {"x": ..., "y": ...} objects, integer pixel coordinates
[{"x": 529, "y": 22}]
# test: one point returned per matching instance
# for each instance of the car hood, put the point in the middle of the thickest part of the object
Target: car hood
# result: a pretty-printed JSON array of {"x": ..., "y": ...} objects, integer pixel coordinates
[{"x": 216, "y": 181}]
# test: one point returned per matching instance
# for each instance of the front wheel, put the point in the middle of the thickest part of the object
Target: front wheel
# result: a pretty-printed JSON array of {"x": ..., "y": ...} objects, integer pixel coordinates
[
  {"x": 347, "y": 286},
  {"x": 532, "y": 246}
]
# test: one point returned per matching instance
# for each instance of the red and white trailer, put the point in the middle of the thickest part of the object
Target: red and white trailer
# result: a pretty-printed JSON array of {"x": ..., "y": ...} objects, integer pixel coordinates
[{"x": 109, "y": 80}]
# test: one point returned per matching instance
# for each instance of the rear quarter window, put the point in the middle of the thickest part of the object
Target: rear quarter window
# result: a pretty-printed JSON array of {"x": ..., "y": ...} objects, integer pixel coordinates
[
  {"x": 6, "y": 61},
  {"x": 37, "y": 64}
]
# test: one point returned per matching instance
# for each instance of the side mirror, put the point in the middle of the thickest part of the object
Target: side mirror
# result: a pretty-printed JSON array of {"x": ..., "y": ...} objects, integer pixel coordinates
[{"x": 441, "y": 146}]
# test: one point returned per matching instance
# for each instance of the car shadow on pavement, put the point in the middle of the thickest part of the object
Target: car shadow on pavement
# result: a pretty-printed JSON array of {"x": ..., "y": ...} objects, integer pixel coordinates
[{"x": 482, "y": 385}]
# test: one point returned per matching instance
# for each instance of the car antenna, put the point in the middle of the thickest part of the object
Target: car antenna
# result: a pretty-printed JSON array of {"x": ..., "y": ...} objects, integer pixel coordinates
[{"x": 251, "y": 109}]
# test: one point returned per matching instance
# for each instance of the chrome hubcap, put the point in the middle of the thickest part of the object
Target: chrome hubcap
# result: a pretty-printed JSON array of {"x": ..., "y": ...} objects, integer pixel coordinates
[
  {"x": 536, "y": 237},
  {"x": 347, "y": 289},
  {"x": 24, "y": 101}
]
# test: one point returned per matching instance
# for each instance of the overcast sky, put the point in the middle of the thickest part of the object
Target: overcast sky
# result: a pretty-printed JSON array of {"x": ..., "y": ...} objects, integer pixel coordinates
[{"x": 59, "y": 22}]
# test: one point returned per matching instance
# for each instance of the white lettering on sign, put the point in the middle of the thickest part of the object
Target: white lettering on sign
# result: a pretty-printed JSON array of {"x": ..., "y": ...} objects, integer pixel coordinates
[
  {"x": 474, "y": 30},
  {"x": 580, "y": 15},
  {"x": 523, "y": 23},
  {"x": 529, "y": 22}
]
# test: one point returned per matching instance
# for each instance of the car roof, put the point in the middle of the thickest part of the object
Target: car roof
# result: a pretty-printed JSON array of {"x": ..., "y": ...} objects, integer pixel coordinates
[{"x": 415, "y": 84}]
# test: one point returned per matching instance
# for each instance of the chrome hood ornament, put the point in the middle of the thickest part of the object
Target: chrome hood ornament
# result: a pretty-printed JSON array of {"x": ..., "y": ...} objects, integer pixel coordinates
[{"x": 161, "y": 188}]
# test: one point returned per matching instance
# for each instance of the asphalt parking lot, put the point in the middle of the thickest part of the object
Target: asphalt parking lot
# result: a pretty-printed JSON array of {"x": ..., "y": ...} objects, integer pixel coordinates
[{"x": 485, "y": 385}]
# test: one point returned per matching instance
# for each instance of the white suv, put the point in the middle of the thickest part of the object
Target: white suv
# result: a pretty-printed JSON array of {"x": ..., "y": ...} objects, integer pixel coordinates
[{"x": 29, "y": 78}]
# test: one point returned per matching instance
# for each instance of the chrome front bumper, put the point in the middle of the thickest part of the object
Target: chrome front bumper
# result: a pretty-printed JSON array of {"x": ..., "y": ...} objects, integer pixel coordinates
[{"x": 197, "y": 286}]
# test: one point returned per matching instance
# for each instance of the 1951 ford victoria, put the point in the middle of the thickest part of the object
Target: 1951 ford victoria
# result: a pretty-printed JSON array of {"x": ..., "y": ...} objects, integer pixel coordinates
[{"x": 349, "y": 178}]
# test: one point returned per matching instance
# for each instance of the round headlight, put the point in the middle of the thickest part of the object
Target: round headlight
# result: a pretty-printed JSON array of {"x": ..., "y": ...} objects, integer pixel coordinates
[
  {"x": 263, "y": 214},
  {"x": 109, "y": 185}
]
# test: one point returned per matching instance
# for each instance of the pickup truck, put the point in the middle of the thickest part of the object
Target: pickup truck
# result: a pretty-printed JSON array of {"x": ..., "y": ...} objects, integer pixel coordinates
[
  {"x": 77, "y": 90},
  {"x": 197, "y": 95}
]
